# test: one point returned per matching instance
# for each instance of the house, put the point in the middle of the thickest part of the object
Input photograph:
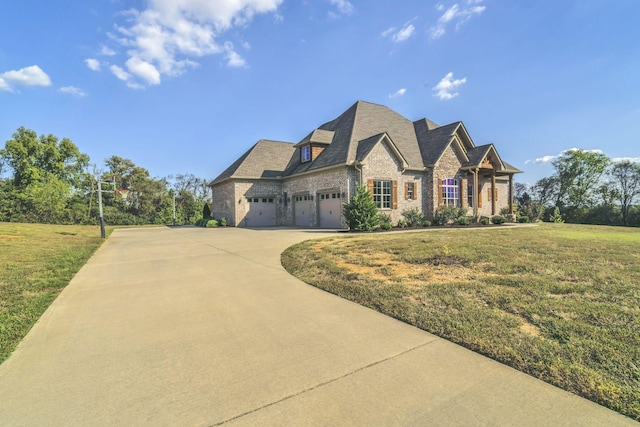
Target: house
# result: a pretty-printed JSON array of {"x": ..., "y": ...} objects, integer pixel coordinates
[{"x": 405, "y": 165}]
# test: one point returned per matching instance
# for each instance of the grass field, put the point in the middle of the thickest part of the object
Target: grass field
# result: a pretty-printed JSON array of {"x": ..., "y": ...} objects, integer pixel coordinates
[
  {"x": 560, "y": 302},
  {"x": 36, "y": 262}
]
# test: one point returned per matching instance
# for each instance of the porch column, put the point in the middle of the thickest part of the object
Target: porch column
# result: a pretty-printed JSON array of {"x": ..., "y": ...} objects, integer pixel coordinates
[
  {"x": 493, "y": 192},
  {"x": 511, "y": 194},
  {"x": 476, "y": 188}
]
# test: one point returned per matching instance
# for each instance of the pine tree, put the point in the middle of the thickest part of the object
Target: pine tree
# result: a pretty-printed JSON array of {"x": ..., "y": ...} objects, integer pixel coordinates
[
  {"x": 206, "y": 211},
  {"x": 361, "y": 212}
]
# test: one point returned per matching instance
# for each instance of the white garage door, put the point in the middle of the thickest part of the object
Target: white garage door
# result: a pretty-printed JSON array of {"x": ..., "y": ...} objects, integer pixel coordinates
[
  {"x": 262, "y": 212},
  {"x": 330, "y": 210},
  {"x": 303, "y": 209}
]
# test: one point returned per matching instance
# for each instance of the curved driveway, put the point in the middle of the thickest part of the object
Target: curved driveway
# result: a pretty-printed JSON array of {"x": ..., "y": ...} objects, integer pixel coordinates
[{"x": 200, "y": 327}]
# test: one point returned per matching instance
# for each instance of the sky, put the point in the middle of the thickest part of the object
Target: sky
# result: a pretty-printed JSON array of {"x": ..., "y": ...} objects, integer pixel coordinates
[{"x": 187, "y": 86}]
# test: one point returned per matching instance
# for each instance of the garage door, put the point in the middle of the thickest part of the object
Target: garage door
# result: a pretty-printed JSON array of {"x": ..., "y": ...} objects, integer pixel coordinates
[
  {"x": 330, "y": 210},
  {"x": 262, "y": 212},
  {"x": 302, "y": 209}
]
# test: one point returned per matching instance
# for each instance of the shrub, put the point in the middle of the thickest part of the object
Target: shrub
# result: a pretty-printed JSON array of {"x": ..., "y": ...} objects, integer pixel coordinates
[
  {"x": 463, "y": 220},
  {"x": 523, "y": 219},
  {"x": 361, "y": 213},
  {"x": 426, "y": 223},
  {"x": 498, "y": 219},
  {"x": 223, "y": 222},
  {"x": 556, "y": 216},
  {"x": 485, "y": 221},
  {"x": 447, "y": 214},
  {"x": 212, "y": 223},
  {"x": 401, "y": 223},
  {"x": 206, "y": 211},
  {"x": 413, "y": 217},
  {"x": 385, "y": 221}
]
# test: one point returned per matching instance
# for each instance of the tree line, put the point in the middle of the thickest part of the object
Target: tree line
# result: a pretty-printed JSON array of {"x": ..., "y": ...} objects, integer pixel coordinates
[
  {"x": 47, "y": 180},
  {"x": 587, "y": 187}
]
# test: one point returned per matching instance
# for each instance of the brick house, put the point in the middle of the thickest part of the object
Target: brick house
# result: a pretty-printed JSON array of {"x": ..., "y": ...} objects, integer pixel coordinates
[{"x": 405, "y": 165}]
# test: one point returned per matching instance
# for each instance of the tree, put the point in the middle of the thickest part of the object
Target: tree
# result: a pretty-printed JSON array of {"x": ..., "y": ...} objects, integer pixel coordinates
[
  {"x": 624, "y": 185},
  {"x": 361, "y": 212},
  {"x": 545, "y": 190},
  {"x": 32, "y": 157},
  {"x": 578, "y": 174}
]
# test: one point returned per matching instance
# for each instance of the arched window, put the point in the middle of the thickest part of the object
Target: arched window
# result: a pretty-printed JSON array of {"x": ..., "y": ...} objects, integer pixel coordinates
[{"x": 450, "y": 192}]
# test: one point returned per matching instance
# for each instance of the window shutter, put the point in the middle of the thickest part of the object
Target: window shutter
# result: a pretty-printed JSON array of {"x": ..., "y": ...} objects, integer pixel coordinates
[
  {"x": 495, "y": 195},
  {"x": 406, "y": 191},
  {"x": 415, "y": 190},
  {"x": 439, "y": 189},
  {"x": 370, "y": 186},
  {"x": 463, "y": 189},
  {"x": 489, "y": 196},
  {"x": 394, "y": 195}
]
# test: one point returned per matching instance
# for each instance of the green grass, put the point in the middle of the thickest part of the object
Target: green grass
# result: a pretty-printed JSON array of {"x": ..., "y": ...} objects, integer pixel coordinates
[
  {"x": 560, "y": 302},
  {"x": 36, "y": 262}
]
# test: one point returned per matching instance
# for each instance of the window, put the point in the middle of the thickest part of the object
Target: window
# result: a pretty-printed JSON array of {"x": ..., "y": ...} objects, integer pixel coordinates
[
  {"x": 410, "y": 190},
  {"x": 470, "y": 194},
  {"x": 382, "y": 194},
  {"x": 305, "y": 154},
  {"x": 450, "y": 192}
]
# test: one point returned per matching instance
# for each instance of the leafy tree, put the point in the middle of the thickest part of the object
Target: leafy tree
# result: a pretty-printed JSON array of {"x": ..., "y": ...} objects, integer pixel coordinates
[
  {"x": 624, "y": 186},
  {"x": 578, "y": 174},
  {"x": 31, "y": 158},
  {"x": 545, "y": 190},
  {"x": 361, "y": 212}
]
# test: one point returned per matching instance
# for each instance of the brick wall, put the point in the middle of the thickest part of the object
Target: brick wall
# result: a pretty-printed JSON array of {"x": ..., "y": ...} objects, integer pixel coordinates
[
  {"x": 382, "y": 164},
  {"x": 335, "y": 180},
  {"x": 222, "y": 202}
]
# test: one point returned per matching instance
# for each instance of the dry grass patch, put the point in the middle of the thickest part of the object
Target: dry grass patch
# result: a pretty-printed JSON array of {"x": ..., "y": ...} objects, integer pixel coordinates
[{"x": 560, "y": 302}]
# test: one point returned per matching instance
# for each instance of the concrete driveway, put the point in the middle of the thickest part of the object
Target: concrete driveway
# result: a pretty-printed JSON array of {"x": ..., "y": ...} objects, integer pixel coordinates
[{"x": 201, "y": 327}]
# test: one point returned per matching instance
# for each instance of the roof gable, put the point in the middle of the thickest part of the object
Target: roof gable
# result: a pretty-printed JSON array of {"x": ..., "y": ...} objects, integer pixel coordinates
[
  {"x": 366, "y": 146},
  {"x": 266, "y": 159}
]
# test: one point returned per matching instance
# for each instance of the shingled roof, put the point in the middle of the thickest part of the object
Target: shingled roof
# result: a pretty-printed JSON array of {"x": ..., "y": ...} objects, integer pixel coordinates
[
  {"x": 360, "y": 122},
  {"x": 350, "y": 137},
  {"x": 266, "y": 159}
]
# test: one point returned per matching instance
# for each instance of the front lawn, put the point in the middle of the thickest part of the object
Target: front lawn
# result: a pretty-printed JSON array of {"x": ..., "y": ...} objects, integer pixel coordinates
[
  {"x": 560, "y": 302},
  {"x": 36, "y": 262}
]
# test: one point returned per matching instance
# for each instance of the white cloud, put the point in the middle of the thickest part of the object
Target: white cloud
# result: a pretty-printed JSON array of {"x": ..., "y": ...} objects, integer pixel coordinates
[
  {"x": 233, "y": 58},
  {"x": 455, "y": 14},
  {"x": 93, "y": 64},
  {"x": 74, "y": 91},
  {"x": 404, "y": 33},
  {"x": 446, "y": 88},
  {"x": 398, "y": 93},
  {"x": 28, "y": 76},
  {"x": 125, "y": 77},
  {"x": 552, "y": 157},
  {"x": 344, "y": 7},
  {"x": 168, "y": 36},
  {"x": 144, "y": 70},
  {"x": 107, "y": 51}
]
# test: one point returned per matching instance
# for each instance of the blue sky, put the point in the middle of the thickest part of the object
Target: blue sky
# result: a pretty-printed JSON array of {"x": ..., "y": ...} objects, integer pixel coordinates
[{"x": 186, "y": 86}]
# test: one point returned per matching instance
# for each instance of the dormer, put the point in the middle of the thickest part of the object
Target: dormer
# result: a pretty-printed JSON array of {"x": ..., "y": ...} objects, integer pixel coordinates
[{"x": 313, "y": 144}]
